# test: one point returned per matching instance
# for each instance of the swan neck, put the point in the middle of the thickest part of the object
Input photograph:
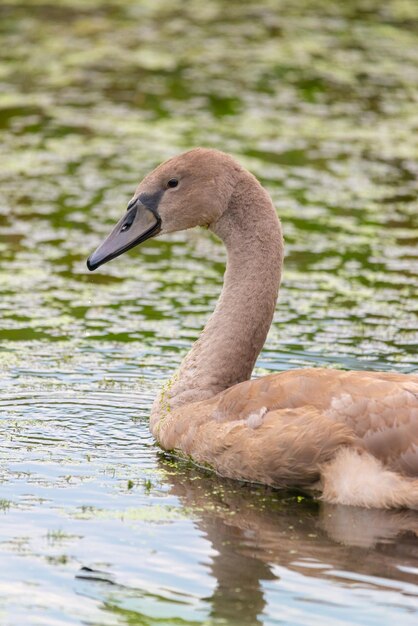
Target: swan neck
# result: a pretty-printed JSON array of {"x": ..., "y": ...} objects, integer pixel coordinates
[{"x": 227, "y": 349}]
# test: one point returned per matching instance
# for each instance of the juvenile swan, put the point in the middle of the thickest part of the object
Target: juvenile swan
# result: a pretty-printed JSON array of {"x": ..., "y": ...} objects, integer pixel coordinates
[{"x": 351, "y": 435}]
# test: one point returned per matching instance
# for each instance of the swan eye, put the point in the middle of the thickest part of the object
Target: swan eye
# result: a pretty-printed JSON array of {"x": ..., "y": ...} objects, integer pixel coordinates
[{"x": 173, "y": 182}]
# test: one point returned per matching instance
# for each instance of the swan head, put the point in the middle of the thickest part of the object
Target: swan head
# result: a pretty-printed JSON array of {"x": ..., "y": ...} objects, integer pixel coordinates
[{"x": 191, "y": 189}]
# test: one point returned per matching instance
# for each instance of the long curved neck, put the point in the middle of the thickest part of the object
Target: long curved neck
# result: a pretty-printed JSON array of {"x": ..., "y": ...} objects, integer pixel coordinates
[{"x": 227, "y": 349}]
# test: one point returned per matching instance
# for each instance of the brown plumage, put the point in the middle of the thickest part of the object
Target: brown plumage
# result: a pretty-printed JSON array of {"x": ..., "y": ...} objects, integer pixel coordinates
[{"x": 351, "y": 435}]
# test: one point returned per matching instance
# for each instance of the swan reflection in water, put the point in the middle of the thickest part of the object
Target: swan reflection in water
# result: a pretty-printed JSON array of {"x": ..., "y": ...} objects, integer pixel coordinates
[
  {"x": 254, "y": 530},
  {"x": 259, "y": 535}
]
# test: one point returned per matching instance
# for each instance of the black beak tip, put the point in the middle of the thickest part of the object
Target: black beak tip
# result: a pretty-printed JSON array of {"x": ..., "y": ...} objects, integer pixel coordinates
[{"x": 90, "y": 265}]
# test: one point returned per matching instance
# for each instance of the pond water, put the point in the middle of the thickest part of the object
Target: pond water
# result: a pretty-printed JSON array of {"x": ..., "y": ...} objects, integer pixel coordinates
[{"x": 319, "y": 98}]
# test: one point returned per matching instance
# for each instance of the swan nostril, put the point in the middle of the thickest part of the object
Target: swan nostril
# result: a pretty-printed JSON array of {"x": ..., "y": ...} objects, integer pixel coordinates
[{"x": 130, "y": 218}]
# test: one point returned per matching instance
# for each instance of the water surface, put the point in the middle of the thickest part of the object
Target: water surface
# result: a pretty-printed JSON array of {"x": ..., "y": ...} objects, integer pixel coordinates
[{"x": 319, "y": 100}]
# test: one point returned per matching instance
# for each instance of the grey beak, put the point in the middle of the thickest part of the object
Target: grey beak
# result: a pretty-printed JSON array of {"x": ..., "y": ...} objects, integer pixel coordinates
[{"x": 139, "y": 223}]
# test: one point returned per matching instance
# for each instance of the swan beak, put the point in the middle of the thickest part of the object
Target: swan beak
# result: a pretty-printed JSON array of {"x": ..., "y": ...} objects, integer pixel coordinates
[{"x": 138, "y": 224}]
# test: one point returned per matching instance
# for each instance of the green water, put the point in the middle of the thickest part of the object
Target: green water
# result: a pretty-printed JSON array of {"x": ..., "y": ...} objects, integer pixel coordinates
[{"x": 320, "y": 100}]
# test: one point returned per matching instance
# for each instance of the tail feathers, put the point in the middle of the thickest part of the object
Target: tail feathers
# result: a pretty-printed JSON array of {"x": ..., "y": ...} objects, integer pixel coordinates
[{"x": 359, "y": 479}]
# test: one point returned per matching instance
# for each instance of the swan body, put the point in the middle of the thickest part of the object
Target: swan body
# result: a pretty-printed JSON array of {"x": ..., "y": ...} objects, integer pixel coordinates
[{"x": 353, "y": 436}]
